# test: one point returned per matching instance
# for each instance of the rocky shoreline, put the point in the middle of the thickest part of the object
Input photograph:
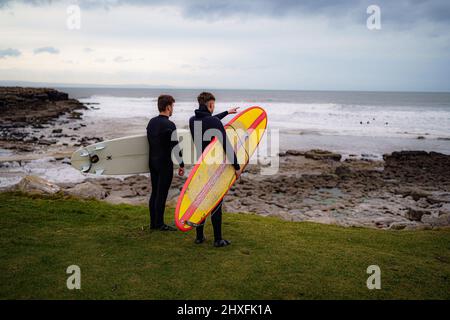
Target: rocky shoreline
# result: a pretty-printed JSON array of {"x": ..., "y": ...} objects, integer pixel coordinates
[
  {"x": 407, "y": 190},
  {"x": 32, "y": 119}
]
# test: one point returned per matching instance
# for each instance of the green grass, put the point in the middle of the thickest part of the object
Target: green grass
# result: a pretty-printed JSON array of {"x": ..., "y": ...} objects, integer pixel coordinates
[{"x": 269, "y": 258}]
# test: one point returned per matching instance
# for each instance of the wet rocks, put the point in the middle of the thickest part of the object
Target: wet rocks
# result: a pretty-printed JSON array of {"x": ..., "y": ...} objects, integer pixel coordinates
[
  {"x": 415, "y": 214},
  {"x": 34, "y": 105},
  {"x": 85, "y": 141},
  {"x": 322, "y": 155},
  {"x": 413, "y": 192},
  {"x": 437, "y": 220},
  {"x": 408, "y": 191},
  {"x": 45, "y": 142},
  {"x": 342, "y": 171},
  {"x": 439, "y": 197},
  {"x": 444, "y": 209},
  {"x": 352, "y": 193},
  {"x": 26, "y": 111},
  {"x": 294, "y": 153},
  {"x": 430, "y": 169}
]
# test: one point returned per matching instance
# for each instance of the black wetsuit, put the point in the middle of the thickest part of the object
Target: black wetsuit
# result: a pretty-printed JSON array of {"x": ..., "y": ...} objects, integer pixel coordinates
[
  {"x": 208, "y": 121},
  {"x": 159, "y": 135}
]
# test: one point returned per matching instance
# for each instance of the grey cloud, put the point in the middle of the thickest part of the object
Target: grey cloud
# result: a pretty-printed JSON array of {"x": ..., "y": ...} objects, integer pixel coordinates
[
  {"x": 397, "y": 12},
  {"x": 9, "y": 53},
  {"x": 50, "y": 50}
]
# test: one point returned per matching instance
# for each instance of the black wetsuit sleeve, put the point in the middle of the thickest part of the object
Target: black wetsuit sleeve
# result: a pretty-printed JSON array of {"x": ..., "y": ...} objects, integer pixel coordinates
[
  {"x": 174, "y": 144},
  {"x": 227, "y": 145},
  {"x": 221, "y": 115}
]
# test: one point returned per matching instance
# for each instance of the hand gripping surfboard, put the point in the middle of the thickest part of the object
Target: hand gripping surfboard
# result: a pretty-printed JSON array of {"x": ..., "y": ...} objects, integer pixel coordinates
[{"x": 212, "y": 176}]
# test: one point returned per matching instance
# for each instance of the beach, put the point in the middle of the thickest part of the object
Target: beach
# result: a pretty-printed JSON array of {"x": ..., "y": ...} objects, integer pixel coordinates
[{"x": 350, "y": 159}]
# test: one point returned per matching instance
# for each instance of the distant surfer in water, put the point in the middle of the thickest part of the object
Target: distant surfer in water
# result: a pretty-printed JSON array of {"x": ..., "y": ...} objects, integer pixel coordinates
[
  {"x": 204, "y": 119},
  {"x": 159, "y": 135}
]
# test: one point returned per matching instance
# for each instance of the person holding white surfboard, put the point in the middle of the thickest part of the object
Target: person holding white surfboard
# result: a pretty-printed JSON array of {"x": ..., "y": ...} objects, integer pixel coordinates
[
  {"x": 159, "y": 135},
  {"x": 204, "y": 119}
]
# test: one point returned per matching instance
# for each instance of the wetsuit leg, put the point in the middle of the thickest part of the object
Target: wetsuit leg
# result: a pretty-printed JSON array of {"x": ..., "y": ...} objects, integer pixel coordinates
[
  {"x": 164, "y": 180},
  {"x": 216, "y": 220},
  {"x": 151, "y": 205},
  {"x": 200, "y": 234}
]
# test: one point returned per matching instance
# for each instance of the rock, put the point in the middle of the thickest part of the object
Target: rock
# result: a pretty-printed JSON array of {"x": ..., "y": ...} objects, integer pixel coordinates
[
  {"x": 398, "y": 226},
  {"x": 37, "y": 185},
  {"x": 439, "y": 221},
  {"x": 342, "y": 171},
  {"x": 46, "y": 142},
  {"x": 445, "y": 209},
  {"x": 294, "y": 153},
  {"x": 32, "y": 107},
  {"x": 439, "y": 197},
  {"x": 431, "y": 170},
  {"x": 415, "y": 214},
  {"x": 75, "y": 115},
  {"x": 87, "y": 190},
  {"x": 127, "y": 192},
  {"x": 414, "y": 193},
  {"x": 317, "y": 154},
  {"x": 57, "y": 131}
]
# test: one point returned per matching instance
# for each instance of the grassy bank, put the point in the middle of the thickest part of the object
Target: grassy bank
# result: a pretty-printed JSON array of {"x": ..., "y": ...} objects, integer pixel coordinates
[{"x": 269, "y": 258}]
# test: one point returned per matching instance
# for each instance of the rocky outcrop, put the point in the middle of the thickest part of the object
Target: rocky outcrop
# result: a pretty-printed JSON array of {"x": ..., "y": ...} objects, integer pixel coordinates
[
  {"x": 416, "y": 214},
  {"x": 322, "y": 155},
  {"x": 87, "y": 190},
  {"x": 410, "y": 190},
  {"x": 385, "y": 195},
  {"x": 31, "y": 107},
  {"x": 430, "y": 168},
  {"x": 22, "y": 106},
  {"x": 36, "y": 186}
]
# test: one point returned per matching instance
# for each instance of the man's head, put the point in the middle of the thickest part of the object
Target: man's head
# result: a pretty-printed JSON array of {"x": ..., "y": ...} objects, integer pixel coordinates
[
  {"x": 165, "y": 104},
  {"x": 207, "y": 99}
]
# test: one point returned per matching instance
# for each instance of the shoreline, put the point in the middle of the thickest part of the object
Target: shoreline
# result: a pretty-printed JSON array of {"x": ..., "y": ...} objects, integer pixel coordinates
[{"x": 405, "y": 190}]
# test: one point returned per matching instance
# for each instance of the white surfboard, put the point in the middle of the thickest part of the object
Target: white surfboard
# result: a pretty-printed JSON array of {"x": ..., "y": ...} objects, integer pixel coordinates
[{"x": 122, "y": 156}]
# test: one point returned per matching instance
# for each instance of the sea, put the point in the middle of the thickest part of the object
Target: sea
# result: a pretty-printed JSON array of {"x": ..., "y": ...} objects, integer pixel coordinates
[{"x": 367, "y": 124}]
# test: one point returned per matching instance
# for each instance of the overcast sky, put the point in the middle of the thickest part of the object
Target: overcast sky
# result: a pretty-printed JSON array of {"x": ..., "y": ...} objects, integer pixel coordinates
[{"x": 305, "y": 45}]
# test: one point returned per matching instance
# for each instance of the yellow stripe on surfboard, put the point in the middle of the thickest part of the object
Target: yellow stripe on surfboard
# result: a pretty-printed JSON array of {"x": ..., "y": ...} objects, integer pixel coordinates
[{"x": 211, "y": 175}]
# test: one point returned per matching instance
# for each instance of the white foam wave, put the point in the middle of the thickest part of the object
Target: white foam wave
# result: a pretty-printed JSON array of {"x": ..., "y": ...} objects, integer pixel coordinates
[{"x": 324, "y": 118}]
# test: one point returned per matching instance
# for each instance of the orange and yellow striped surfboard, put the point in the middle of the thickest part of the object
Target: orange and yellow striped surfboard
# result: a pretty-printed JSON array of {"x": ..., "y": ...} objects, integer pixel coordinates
[{"x": 212, "y": 176}]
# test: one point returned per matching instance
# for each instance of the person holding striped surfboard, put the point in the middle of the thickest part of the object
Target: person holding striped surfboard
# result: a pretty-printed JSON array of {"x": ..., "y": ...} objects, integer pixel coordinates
[{"x": 201, "y": 122}]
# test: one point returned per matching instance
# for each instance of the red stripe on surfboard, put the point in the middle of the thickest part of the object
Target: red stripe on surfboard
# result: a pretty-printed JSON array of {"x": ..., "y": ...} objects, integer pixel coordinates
[
  {"x": 208, "y": 186},
  {"x": 183, "y": 227}
]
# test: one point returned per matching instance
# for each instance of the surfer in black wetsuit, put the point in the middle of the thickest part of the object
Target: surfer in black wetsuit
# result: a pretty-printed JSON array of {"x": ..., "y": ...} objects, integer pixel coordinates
[
  {"x": 205, "y": 121},
  {"x": 159, "y": 134}
]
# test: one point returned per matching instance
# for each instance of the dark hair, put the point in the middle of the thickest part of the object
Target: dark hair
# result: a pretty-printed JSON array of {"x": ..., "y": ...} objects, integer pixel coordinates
[
  {"x": 204, "y": 97},
  {"x": 164, "y": 101}
]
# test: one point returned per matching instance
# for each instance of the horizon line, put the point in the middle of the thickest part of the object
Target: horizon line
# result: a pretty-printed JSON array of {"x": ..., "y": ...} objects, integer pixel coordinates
[{"x": 21, "y": 83}]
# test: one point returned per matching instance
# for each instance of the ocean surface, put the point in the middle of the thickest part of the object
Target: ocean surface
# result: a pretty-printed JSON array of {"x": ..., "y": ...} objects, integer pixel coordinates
[{"x": 352, "y": 123}]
